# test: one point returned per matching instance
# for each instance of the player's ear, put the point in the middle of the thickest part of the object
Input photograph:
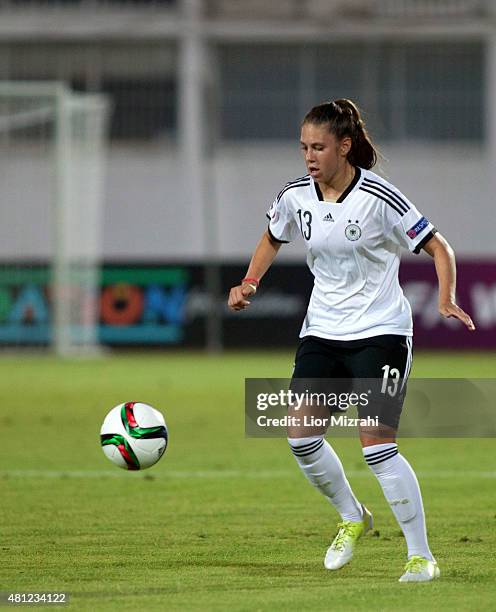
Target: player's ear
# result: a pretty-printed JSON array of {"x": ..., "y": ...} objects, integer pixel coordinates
[{"x": 345, "y": 146}]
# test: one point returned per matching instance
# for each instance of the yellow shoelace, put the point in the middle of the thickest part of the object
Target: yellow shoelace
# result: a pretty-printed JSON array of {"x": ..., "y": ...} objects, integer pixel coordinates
[
  {"x": 345, "y": 530},
  {"x": 415, "y": 565}
]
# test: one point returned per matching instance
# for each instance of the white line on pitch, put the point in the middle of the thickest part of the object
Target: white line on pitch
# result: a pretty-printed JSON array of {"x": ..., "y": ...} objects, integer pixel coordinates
[{"x": 165, "y": 474}]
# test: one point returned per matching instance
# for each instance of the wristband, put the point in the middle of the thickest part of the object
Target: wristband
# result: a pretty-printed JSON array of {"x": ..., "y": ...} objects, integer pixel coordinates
[{"x": 251, "y": 281}]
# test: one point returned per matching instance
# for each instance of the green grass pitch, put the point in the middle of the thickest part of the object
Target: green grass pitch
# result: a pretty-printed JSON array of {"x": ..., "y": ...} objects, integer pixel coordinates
[{"x": 222, "y": 522}]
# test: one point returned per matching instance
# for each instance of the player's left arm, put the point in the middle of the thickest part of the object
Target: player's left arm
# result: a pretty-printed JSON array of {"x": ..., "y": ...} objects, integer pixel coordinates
[{"x": 444, "y": 260}]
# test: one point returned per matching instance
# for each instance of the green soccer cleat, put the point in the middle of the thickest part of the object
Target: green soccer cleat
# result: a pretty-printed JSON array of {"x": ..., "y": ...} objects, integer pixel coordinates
[
  {"x": 343, "y": 545},
  {"x": 419, "y": 569}
]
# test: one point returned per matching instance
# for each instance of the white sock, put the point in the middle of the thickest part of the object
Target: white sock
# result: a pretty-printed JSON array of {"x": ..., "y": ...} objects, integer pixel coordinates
[
  {"x": 324, "y": 470},
  {"x": 402, "y": 491}
]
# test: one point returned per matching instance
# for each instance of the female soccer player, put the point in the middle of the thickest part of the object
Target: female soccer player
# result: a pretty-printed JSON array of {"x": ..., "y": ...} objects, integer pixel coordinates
[{"x": 358, "y": 323}]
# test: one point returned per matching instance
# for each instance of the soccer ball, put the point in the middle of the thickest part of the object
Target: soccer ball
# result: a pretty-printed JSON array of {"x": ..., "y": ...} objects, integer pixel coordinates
[{"x": 134, "y": 436}]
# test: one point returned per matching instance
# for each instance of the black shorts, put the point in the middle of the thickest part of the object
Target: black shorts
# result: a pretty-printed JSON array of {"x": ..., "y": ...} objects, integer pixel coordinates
[{"x": 384, "y": 360}]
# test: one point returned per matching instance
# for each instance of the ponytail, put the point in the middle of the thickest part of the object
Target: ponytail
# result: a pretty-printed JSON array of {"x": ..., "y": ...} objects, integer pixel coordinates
[{"x": 344, "y": 120}]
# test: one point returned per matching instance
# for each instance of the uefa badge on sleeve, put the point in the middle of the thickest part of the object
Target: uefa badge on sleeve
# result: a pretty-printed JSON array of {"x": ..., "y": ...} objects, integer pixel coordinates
[{"x": 414, "y": 231}]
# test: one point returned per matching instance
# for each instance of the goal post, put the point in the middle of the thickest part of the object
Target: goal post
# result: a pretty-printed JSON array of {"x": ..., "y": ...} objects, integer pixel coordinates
[{"x": 54, "y": 141}]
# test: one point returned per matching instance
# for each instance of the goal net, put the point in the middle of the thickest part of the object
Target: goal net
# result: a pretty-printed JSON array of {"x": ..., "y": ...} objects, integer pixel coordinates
[{"x": 52, "y": 159}]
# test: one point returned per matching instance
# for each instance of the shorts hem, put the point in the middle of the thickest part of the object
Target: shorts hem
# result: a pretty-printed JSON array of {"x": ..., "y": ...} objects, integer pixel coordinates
[{"x": 359, "y": 336}]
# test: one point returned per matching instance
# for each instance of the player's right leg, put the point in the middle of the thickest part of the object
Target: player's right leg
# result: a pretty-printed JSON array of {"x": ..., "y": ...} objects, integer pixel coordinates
[
  {"x": 324, "y": 470},
  {"x": 320, "y": 464}
]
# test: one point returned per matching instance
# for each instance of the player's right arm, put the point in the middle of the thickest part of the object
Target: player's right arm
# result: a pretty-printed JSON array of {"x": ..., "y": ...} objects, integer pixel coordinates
[
  {"x": 282, "y": 228},
  {"x": 263, "y": 256}
]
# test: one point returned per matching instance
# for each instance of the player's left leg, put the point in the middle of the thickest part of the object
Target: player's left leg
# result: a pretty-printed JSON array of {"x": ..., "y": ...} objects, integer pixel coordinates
[
  {"x": 395, "y": 475},
  {"x": 402, "y": 491}
]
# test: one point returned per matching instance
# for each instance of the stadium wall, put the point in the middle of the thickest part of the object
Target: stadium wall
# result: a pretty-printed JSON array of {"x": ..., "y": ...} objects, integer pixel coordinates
[
  {"x": 150, "y": 216},
  {"x": 157, "y": 305}
]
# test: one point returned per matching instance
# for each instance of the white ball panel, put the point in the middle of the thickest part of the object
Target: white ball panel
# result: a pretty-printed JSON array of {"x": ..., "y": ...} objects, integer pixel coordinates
[
  {"x": 146, "y": 416},
  {"x": 112, "y": 452},
  {"x": 148, "y": 451},
  {"x": 113, "y": 422}
]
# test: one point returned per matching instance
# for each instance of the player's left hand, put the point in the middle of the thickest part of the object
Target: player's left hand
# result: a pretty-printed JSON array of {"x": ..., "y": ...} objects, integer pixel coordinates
[{"x": 450, "y": 309}]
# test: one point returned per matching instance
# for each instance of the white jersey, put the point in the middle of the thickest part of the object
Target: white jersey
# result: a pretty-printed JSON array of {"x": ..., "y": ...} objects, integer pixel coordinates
[{"x": 353, "y": 252}]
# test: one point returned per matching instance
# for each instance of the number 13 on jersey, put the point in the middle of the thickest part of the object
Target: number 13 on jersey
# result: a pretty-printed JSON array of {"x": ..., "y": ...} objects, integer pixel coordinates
[{"x": 305, "y": 218}]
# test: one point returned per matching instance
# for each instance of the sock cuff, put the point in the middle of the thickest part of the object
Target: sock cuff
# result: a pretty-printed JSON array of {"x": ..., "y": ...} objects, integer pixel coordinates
[
  {"x": 380, "y": 452},
  {"x": 301, "y": 447}
]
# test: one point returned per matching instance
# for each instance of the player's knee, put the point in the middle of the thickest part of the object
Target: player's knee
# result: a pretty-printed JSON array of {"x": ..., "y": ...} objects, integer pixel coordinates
[{"x": 305, "y": 448}]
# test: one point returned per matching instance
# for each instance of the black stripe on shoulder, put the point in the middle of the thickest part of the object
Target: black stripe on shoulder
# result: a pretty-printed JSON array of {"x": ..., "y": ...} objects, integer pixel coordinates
[
  {"x": 302, "y": 178},
  {"x": 424, "y": 241},
  {"x": 272, "y": 237},
  {"x": 384, "y": 199},
  {"x": 389, "y": 192},
  {"x": 301, "y": 184}
]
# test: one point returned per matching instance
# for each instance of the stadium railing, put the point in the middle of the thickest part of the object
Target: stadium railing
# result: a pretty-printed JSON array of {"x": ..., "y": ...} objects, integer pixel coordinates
[
  {"x": 279, "y": 9},
  {"x": 358, "y": 9},
  {"x": 83, "y": 5}
]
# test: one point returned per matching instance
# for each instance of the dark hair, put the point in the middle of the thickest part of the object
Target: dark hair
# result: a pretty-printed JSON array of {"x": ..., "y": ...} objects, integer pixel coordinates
[{"x": 344, "y": 119}]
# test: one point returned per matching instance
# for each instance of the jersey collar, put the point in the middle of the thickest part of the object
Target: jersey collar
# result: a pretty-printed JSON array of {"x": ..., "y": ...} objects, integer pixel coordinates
[{"x": 345, "y": 193}]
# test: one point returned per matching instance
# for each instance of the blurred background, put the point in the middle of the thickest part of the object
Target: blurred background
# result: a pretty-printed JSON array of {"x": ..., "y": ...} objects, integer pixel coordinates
[{"x": 142, "y": 141}]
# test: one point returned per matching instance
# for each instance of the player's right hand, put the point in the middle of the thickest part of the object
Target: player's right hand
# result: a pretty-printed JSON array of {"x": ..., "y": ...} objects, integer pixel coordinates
[{"x": 237, "y": 296}]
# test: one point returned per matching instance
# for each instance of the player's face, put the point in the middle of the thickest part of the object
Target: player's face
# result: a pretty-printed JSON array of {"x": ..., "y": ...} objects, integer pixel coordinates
[{"x": 324, "y": 155}]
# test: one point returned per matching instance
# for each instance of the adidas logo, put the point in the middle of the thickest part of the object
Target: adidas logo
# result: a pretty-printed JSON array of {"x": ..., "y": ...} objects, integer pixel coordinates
[{"x": 328, "y": 217}]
